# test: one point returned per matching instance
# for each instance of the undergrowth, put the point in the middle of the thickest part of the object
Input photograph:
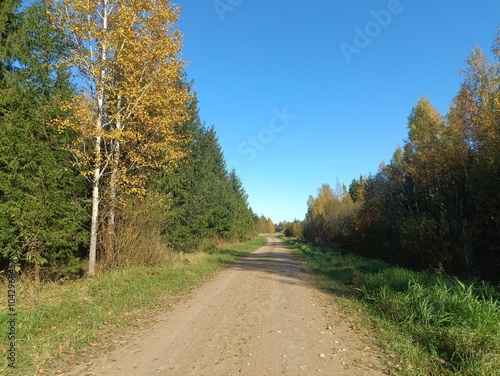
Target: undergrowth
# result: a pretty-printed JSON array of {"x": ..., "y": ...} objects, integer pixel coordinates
[{"x": 429, "y": 323}]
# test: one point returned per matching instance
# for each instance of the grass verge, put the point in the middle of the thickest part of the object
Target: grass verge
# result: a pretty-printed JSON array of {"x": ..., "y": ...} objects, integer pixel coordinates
[
  {"x": 428, "y": 323},
  {"x": 59, "y": 324}
]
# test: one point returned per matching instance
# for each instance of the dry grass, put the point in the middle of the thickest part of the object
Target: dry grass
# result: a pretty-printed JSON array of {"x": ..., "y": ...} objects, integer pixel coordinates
[{"x": 137, "y": 239}]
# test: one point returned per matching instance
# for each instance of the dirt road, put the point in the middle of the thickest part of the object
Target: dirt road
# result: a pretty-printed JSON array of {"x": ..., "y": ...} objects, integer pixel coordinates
[{"x": 263, "y": 316}]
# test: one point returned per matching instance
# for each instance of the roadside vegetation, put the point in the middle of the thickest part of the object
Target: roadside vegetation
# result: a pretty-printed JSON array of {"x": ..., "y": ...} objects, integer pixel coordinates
[
  {"x": 106, "y": 171},
  {"x": 115, "y": 176},
  {"x": 88, "y": 167},
  {"x": 63, "y": 323},
  {"x": 432, "y": 215},
  {"x": 436, "y": 204},
  {"x": 427, "y": 323}
]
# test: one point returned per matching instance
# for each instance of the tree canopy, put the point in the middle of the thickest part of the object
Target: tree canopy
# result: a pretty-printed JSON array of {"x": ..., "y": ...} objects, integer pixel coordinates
[
  {"x": 437, "y": 203},
  {"x": 97, "y": 116}
]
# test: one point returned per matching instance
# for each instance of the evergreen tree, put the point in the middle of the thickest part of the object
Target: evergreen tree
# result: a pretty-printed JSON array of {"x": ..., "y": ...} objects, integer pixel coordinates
[
  {"x": 198, "y": 188},
  {"x": 41, "y": 219},
  {"x": 245, "y": 219},
  {"x": 207, "y": 201}
]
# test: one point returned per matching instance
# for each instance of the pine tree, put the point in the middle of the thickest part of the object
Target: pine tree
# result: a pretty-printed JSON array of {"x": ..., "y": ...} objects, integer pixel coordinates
[
  {"x": 244, "y": 224},
  {"x": 196, "y": 187},
  {"x": 8, "y": 20}
]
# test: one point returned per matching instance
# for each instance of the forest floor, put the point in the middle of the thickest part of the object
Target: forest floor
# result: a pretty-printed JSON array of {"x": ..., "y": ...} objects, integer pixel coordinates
[{"x": 264, "y": 315}]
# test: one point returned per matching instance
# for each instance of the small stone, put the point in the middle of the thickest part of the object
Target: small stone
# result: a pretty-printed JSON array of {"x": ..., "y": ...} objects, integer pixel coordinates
[{"x": 322, "y": 355}]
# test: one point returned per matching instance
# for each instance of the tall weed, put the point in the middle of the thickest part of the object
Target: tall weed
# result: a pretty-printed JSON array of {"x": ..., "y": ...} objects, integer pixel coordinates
[{"x": 138, "y": 238}]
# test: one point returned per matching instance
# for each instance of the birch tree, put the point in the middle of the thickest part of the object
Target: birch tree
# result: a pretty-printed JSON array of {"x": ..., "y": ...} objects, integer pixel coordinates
[{"x": 133, "y": 97}]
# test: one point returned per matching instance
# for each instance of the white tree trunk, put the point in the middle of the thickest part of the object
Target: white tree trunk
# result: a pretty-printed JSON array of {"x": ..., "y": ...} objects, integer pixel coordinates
[
  {"x": 97, "y": 152},
  {"x": 95, "y": 220}
]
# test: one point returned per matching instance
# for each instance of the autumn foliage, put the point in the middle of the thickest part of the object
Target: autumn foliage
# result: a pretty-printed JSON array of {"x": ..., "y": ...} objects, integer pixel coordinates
[
  {"x": 103, "y": 153},
  {"x": 436, "y": 205}
]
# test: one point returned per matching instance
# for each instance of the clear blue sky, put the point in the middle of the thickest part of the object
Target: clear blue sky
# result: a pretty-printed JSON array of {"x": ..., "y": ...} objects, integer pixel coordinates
[
  {"x": 299, "y": 97},
  {"x": 342, "y": 98}
]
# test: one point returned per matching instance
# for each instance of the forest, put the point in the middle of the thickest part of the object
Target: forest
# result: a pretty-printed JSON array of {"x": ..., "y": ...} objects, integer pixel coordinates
[
  {"x": 116, "y": 206},
  {"x": 436, "y": 205},
  {"x": 104, "y": 160}
]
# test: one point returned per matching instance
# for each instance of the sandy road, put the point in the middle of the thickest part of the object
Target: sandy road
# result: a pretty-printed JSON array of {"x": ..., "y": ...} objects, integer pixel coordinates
[{"x": 262, "y": 316}]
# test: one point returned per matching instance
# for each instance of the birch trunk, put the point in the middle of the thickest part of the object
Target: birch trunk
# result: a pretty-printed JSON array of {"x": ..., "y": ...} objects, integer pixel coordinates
[
  {"x": 96, "y": 179},
  {"x": 95, "y": 217}
]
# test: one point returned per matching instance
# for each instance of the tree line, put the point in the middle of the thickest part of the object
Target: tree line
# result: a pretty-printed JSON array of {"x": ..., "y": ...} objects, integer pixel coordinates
[
  {"x": 101, "y": 141},
  {"x": 436, "y": 205}
]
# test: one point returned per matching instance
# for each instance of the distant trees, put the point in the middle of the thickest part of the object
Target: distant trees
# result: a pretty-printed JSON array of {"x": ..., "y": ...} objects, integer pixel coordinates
[
  {"x": 271, "y": 229},
  {"x": 294, "y": 229},
  {"x": 437, "y": 203},
  {"x": 265, "y": 225}
]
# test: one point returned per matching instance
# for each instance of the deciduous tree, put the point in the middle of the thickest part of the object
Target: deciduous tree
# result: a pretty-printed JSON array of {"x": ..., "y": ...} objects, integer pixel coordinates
[{"x": 133, "y": 96}]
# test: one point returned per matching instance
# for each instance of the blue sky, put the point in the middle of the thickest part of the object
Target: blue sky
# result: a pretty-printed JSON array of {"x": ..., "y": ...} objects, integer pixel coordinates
[
  {"x": 304, "y": 92},
  {"x": 301, "y": 93}
]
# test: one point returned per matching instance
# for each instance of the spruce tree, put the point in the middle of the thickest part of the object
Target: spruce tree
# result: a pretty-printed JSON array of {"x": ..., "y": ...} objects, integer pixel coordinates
[
  {"x": 207, "y": 201},
  {"x": 41, "y": 218}
]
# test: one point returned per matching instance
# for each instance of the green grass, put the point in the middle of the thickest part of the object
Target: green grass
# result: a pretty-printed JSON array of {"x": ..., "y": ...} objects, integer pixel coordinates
[
  {"x": 60, "y": 324},
  {"x": 427, "y": 323}
]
